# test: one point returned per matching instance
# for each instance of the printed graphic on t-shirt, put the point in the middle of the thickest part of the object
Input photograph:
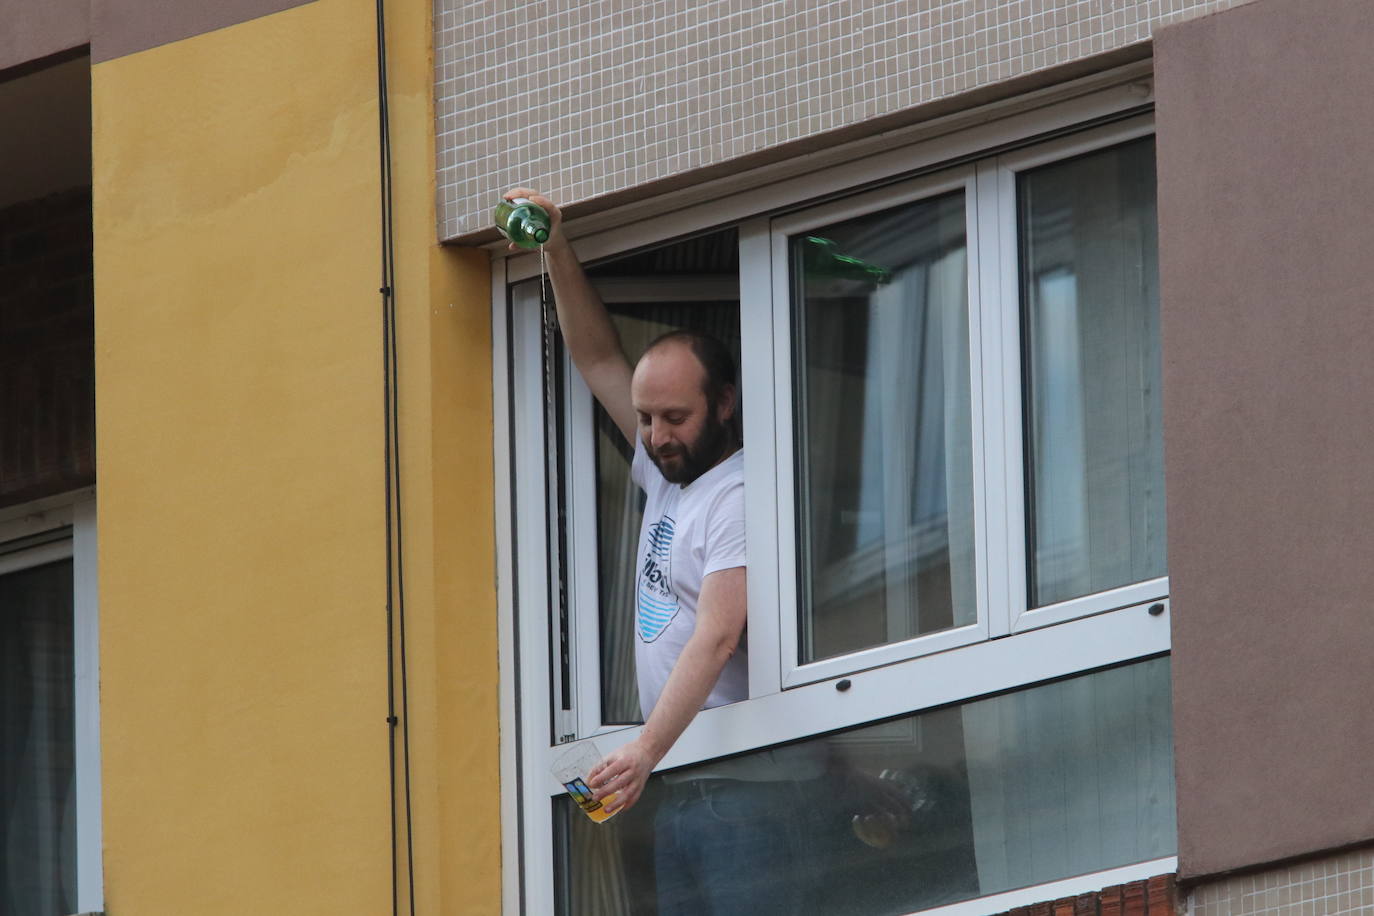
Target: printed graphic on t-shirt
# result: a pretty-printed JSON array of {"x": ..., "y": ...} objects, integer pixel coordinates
[{"x": 657, "y": 601}]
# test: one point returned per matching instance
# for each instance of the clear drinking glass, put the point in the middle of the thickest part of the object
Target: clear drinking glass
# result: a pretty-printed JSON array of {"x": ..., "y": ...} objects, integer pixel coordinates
[{"x": 571, "y": 769}]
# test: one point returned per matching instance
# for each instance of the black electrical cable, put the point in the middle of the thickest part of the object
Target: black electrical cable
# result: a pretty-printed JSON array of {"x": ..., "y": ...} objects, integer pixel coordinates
[{"x": 395, "y": 567}]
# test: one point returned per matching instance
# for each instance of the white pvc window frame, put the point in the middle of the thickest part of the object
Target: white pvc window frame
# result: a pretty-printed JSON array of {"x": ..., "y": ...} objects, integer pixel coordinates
[
  {"x": 788, "y": 701},
  {"x": 999, "y": 476},
  {"x": 76, "y": 512},
  {"x": 1001, "y": 175},
  {"x": 782, "y": 445}
]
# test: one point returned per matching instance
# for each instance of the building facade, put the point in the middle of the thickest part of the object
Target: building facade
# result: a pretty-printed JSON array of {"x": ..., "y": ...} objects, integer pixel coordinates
[{"x": 315, "y": 553}]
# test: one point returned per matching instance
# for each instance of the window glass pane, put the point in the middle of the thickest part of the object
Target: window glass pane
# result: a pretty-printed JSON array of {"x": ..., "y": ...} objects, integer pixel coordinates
[
  {"x": 884, "y": 445},
  {"x": 37, "y": 738},
  {"x": 1049, "y": 782},
  {"x": 648, "y": 294},
  {"x": 1091, "y": 314}
]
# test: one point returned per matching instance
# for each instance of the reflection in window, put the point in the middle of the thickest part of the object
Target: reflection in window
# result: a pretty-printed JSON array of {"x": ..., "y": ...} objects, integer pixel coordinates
[
  {"x": 883, "y": 428},
  {"x": 1091, "y": 311},
  {"x": 1049, "y": 782},
  {"x": 37, "y": 742}
]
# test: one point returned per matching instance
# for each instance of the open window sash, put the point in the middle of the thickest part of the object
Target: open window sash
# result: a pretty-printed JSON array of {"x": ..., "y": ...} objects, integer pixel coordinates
[{"x": 896, "y": 431}]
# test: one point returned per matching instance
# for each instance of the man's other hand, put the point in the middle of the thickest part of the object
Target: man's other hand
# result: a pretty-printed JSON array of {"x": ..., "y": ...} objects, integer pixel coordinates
[{"x": 623, "y": 774}]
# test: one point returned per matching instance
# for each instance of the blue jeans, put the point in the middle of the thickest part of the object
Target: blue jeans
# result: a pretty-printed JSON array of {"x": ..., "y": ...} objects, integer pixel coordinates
[{"x": 724, "y": 847}]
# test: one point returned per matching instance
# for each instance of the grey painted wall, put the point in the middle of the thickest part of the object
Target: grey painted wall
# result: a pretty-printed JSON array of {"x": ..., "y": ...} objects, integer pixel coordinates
[
  {"x": 123, "y": 27},
  {"x": 35, "y": 29},
  {"x": 1265, "y": 120}
]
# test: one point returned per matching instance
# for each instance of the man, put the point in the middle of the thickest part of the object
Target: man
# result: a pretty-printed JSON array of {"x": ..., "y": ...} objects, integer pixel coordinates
[
  {"x": 677, "y": 408},
  {"x": 730, "y": 837}
]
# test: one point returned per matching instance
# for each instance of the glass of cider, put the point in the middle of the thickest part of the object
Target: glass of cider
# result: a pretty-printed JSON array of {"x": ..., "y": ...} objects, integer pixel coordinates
[{"x": 571, "y": 768}]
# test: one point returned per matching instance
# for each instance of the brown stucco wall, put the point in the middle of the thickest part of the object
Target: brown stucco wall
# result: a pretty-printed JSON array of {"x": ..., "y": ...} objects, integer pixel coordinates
[
  {"x": 114, "y": 28},
  {"x": 122, "y": 27},
  {"x": 31, "y": 30},
  {"x": 1265, "y": 129}
]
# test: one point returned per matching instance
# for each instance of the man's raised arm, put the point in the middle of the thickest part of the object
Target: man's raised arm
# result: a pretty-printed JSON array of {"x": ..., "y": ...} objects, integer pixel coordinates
[{"x": 591, "y": 339}]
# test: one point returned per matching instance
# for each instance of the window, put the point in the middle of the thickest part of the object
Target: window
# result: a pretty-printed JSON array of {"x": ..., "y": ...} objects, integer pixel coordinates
[
  {"x": 647, "y": 295},
  {"x": 884, "y": 446},
  {"x": 954, "y": 488},
  {"x": 964, "y": 801},
  {"x": 1095, "y": 489},
  {"x": 49, "y": 766}
]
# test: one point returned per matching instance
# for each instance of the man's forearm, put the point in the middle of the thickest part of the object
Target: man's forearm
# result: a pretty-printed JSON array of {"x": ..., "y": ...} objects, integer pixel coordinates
[
  {"x": 721, "y": 614},
  {"x": 625, "y": 771},
  {"x": 696, "y": 672}
]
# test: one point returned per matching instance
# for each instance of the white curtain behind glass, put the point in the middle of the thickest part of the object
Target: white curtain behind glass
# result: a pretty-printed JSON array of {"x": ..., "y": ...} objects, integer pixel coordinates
[{"x": 916, "y": 450}]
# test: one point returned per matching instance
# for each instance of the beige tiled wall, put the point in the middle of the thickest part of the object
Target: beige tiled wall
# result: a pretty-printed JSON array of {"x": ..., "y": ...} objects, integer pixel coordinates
[
  {"x": 1340, "y": 884},
  {"x": 589, "y": 97}
]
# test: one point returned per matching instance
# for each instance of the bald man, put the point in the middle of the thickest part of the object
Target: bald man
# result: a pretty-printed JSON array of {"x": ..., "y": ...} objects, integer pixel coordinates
[
  {"x": 676, "y": 407},
  {"x": 731, "y": 837}
]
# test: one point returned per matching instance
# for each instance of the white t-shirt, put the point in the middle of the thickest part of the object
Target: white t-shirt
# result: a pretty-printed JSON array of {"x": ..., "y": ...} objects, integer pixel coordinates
[{"x": 688, "y": 533}]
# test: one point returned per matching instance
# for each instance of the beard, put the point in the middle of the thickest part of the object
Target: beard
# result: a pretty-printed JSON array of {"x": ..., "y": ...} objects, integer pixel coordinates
[{"x": 691, "y": 461}]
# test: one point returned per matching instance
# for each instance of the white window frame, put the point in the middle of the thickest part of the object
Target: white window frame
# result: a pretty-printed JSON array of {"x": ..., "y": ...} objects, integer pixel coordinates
[
  {"x": 77, "y": 511},
  {"x": 1003, "y": 174},
  {"x": 780, "y": 447},
  {"x": 791, "y": 702}
]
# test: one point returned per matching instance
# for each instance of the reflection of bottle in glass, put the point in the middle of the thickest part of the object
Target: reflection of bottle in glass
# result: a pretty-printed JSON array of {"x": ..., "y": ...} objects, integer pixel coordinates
[
  {"x": 523, "y": 221},
  {"x": 823, "y": 258},
  {"x": 901, "y": 797}
]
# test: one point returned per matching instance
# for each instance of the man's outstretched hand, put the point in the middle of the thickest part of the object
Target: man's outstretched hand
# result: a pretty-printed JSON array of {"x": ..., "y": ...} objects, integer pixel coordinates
[
  {"x": 623, "y": 773},
  {"x": 555, "y": 215}
]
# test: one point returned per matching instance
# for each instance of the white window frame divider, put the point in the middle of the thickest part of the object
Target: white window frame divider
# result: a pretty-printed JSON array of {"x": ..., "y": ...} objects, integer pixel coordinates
[{"x": 758, "y": 375}]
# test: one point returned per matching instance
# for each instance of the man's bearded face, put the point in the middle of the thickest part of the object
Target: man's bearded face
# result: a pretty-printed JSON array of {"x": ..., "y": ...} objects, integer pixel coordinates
[
  {"x": 682, "y": 461},
  {"x": 684, "y": 431}
]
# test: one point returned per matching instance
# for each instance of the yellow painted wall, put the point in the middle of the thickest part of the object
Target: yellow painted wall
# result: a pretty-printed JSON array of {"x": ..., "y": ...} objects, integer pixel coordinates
[{"x": 239, "y": 422}]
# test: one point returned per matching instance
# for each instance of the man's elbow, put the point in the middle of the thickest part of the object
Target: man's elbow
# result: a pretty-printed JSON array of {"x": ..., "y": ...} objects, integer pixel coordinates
[{"x": 725, "y": 645}]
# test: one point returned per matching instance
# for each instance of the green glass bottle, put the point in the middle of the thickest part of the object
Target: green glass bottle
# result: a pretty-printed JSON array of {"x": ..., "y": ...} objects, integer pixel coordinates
[{"x": 524, "y": 222}]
